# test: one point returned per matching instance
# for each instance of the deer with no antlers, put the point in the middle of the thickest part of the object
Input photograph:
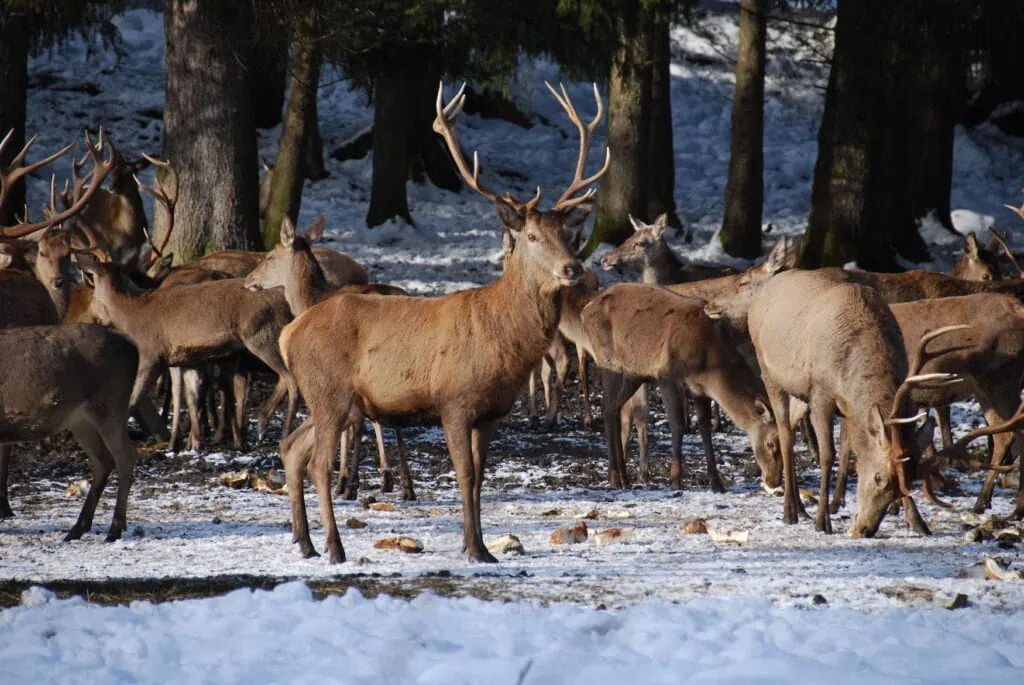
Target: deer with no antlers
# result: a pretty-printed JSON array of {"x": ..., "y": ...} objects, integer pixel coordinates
[
  {"x": 463, "y": 358},
  {"x": 291, "y": 265},
  {"x": 833, "y": 346}
]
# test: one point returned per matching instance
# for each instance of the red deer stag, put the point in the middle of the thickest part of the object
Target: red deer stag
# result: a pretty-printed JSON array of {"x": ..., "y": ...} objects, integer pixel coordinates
[{"x": 463, "y": 358}]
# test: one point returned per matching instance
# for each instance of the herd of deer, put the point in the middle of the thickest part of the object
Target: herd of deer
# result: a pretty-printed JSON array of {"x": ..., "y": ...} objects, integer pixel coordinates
[{"x": 771, "y": 346}]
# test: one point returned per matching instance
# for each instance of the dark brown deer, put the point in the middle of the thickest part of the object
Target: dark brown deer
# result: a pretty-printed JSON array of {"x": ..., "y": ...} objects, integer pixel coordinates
[
  {"x": 75, "y": 377},
  {"x": 825, "y": 346},
  {"x": 291, "y": 265},
  {"x": 463, "y": 358},
  {"x": 645, "y": 333}
]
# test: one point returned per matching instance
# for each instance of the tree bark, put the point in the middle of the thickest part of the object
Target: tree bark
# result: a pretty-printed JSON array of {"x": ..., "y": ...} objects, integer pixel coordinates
[
  {"x": 744, "y": 191},
  {"x": 268, "y": 76},
  {"x": 289, "y": 172},
  {"x": 427, "y": 153},
  {"x": 209, "y": 134},
  {"x": 13, "y": 95},
  {"x": 316, "y": 170},
  {"x": 624, "y": 186},
  {"x": 391, "y": 122},
  {"x": 661, "y": 153}
]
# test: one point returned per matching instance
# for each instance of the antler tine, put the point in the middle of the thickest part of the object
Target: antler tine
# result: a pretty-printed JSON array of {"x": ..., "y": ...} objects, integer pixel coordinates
[
  {"x": 444, "y": 126},
  {"x": 1019, "y": 211},
  {"x": 15, "y": 170},
  {"x": 99, "y": 172},
  {"x": 166, "y": 198},
  {"x": 917, "y": 360},
  {"x": 1010, "y": 424},
  {"x": 1001, "y": 241},
  {"x": 586, "y": 132}
]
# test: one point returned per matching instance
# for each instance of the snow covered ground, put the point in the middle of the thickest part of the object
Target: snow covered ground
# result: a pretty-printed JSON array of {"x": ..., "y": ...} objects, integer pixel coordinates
[{"x": 744, "y": 613}]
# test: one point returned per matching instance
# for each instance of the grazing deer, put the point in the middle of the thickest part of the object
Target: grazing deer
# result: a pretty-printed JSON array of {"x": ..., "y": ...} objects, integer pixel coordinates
[
  {"x": 834, "y": 346},
  {"x": 293, "y": 266},
  {"x": 645, "y": 333},
  {"x": 988, "y": 356},
  {"x": 463, "y": 358},
  {"x": 75, "y": 377},
  {"x": 189, "y": 325}
]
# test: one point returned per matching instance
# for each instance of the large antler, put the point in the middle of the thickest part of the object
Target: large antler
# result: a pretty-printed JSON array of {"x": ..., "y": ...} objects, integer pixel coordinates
[
  {"x": 916, "y": 379},
  {"x": 10, "y": 175},
  {"x": 101, "y": 168},
  {"x": 166, "y": 197},
  {"x": 444, "y": 124},
  {"x": 586, "y": 133}
]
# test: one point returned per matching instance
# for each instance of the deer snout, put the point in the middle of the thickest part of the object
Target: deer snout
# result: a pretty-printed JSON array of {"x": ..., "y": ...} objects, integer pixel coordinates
[
  {"x": 570, "y": 273},
  {"x": 713, "y": 311},
  {"x": 58, "y": 283},
  {"x": 253, "y": 286},
  {"x": 607, "y": 262}
]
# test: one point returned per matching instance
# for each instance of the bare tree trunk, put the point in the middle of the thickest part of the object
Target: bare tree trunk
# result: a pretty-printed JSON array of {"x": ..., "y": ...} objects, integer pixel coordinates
[
  {"x": 391, "y": 122},
  {"x": 13, "y": 94},
  {"x": 624, "y": 187},
  {"x": 316, "y": 170},
  {"x": 209, "y": 135},
  {"x": 268, "y": 76},
  {"x": 661, "y": 154},
  {"x": 286, "y": 190},
  {"x": 744, "y": 191},
  {"x": 427, "y": 153}
]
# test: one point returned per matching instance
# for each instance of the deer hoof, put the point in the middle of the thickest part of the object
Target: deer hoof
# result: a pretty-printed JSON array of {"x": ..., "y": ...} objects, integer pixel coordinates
[
  {"x": 823, "y": 525},
  {"x": 835, "y": 505},
  {"x": 481, "y": 556},
  {"x": 337, "y": 556},
  {"x": 74, "y": 534},
  {"x": 981, "y": 505},
  {"x": 307, "y": 550},
  {"x": 408, "y": 495},
  {"x": 716, "y": 486},
  {"x": 351, "y": 491},
  {"x": 387, "y": 482}
]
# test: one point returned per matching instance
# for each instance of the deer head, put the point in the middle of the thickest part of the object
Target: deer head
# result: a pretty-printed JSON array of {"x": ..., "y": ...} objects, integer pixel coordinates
[
  {"x": 640, "y": 248},
  {"x": 765, "y": 441},
  {"x": 734, "y": 305},
  {"x": 293, "y": 252},
  {"x": 977, "y": 263},
  {"x": 537, "y": 242}
]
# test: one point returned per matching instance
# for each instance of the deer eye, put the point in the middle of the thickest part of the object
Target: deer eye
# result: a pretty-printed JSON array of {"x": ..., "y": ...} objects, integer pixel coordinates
[{"x": 532, "y": 237}]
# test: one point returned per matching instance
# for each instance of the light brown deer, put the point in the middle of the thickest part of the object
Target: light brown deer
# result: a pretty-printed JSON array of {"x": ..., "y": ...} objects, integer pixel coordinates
[
  {"x": 834, "y": 346},
  {"x": 291, "y": 265},
  {"x": 976, "y": 263},
  {"x": 339, "y": 269},
  {"x": 189, "y": 325},
  {"x": 645, "y": 333},
  {"x": 75, "y": 377},
  {"x": 463, "y": 358},
  {"x": 646, "y": 251},
  {"x": 988, "y": 356}
]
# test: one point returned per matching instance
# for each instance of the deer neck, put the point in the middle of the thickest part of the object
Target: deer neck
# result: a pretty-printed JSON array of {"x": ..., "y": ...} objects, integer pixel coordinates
[
  {"x": 123, "y": 308},
  {"x": 662, "y": 267},
  {"x": 525, "y": 310},
  {"x": 307, "y": 285}
]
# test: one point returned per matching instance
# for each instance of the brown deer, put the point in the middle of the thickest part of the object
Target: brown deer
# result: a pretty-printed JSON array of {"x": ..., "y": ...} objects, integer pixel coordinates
[
  {"x": 834, "y": 346},
  {"x": 75, "y": 377},
  {"x": 292, "y": 265},
  {"x": 988, "y": 356},
  {"x": 646, "y": 251},
  {"x": 645, "y": 333},
  {"x": 190, "y": 325},
  {"x": 976, "y": 263},
  {"x": 339, "y": 269},
  {"x": 463, "y": 358}
]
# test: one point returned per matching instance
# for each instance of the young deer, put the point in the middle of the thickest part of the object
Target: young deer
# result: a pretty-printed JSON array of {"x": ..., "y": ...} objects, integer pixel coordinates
[
  {"x": 463, "y": 358},
  {"x": 646, "y": 251},
  {"x": 75, "y": 377},
  {"x": 645, "y": 333},
  {"x": 293, "y": 266},
  {"x": 834, "y": 346},
  {"x": 977, "y": 263},
  {"x": 189, "y": 325}
]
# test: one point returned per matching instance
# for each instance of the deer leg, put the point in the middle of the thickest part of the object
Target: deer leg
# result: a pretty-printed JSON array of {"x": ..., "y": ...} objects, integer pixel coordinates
[
  {"x": 942, "y": 419},
  {"x": 351, "y": 491},
  {"x": 821, "y": 413},
  {"x": 636, "y": 414},
  {"x": 459, "y": 436},
  {"x": 480, "y": 441},
  {"x": 268, "y": 352},
  {"x": 684, "y": 412},
  {"x": 296, "y": 453},
  {"x": 387, "y": 480},
  {"x": 617, "y": 390},
  {"x": 160, "y": 389},
  {"x": 779, "y": 400},
  {"x": 343, "y": 454},
  {"x": 325, "y": 444},
  {"x": 240, "y": 395},
  {"x": 810, "y": 436},
  {"x": 141, "y": 404},
  {"x": 194, "y": 392},
  {"x": 176, "y": 380},
  {"x": 1001, "y": 407},
  {"x": 703, "y": 408},
  {"x": 843, "y": 472},
  {"x": 5, "y": 465},
  {"x": 675, "y": 399},
  {"x": 120, "y": 448},
  {"x": 408, "y": 494},
  {"x": 531, "y": 398},
  {"x": 560, "y": 357},
  {"x": 280, "y": 388},
  {"x": 102, "y": 464},
  {"x": 581, "y": 359},
  {"x": 545, "y": 382},
  {"x": 1018, "y": 510},
  {"x": 716, "y": 418}
]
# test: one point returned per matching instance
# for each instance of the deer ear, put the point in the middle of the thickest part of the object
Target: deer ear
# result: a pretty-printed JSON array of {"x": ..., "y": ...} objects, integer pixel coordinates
[
  {"x": 876, "y": 422},
  {"x": 162, "y": 266},
  {"x": 267, "y": 167},
  {"x": 660, "y": 226},
  {"x": 315, "y": 232},
  {"x": 510, "y": 218},
  {"x": 764, "y": 412},
  {"x": 971, "y": 245},
  {"x": 5, "y": 260},
  {"x": 287, "y": 232},
  {"x": 577, "y": 216},
  {"x": 636, "y": 224},
  {"x": 776, "y": 260}
]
